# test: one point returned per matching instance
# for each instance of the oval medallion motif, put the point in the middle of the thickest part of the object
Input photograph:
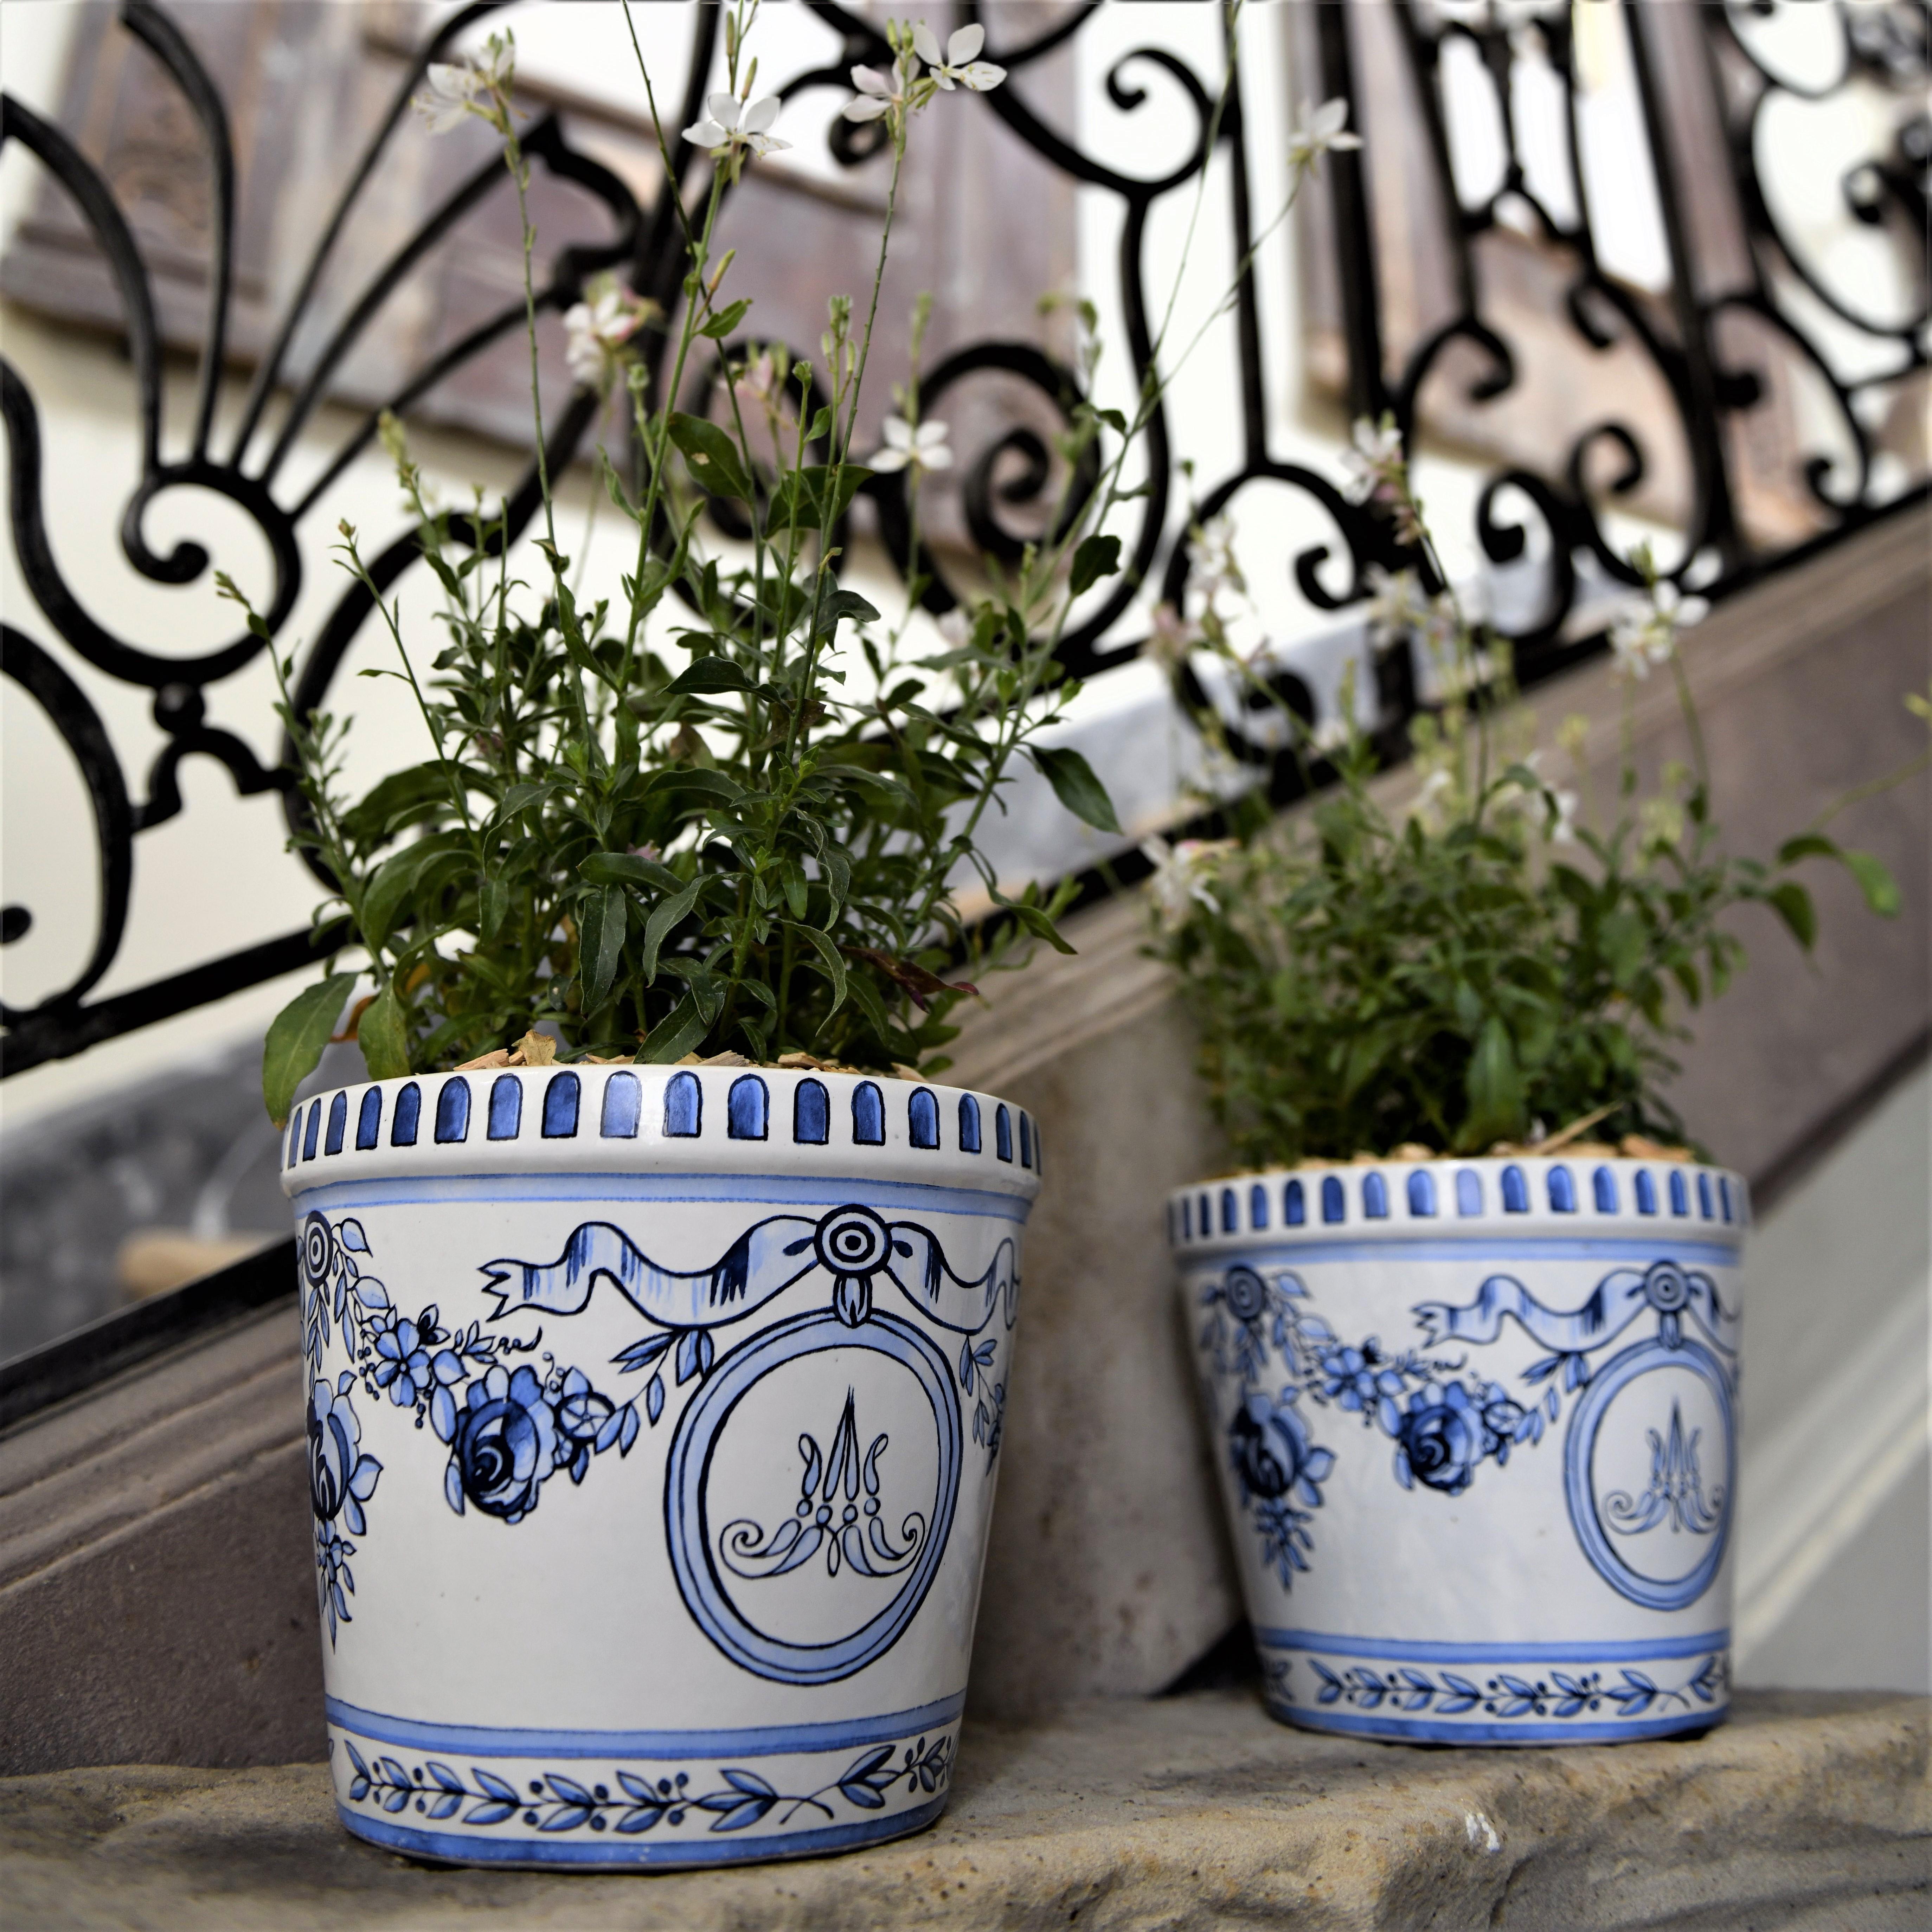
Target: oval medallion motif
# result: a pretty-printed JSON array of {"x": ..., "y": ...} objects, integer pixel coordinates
[
  {"x": 806, "y": 1567},
  {"x": 1648, "y": 1471}
]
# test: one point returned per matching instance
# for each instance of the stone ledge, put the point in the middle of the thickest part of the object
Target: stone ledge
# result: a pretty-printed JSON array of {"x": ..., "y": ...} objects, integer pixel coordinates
[{"x": 1808, "y": 1810}]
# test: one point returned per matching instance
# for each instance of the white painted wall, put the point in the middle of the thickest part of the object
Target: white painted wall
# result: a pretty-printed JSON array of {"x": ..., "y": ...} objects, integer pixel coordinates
[{"x": 1835, "y": 1534}]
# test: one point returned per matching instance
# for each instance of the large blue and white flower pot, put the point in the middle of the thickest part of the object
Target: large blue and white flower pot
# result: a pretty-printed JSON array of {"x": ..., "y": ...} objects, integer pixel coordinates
[
  {"x": 1477, "y": 1428},
  {"x": 654, "y": 1416}
]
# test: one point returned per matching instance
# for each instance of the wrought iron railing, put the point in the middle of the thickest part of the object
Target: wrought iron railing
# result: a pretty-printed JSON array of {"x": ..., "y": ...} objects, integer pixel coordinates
[{"x": 1707, "y": 78}]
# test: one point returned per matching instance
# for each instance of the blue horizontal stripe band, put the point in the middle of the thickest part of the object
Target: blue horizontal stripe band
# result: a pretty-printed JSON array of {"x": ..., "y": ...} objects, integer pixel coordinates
[
  {"x": 1439, "y": 1731},
  {"x": 757, "y": 1741},
  {"x": 585, "y": 1847},
  {"x": 754, "y": 1190},
  {"x": 1635, "y": 1651},
  {"x": 1475, "y": 1248}
]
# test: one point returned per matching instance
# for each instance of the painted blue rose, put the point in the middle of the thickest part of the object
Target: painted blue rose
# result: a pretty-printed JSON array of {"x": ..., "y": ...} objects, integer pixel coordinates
[
  {"x": 505, "y": 1445},
  {"x": 1273, "y": 1454},
  {"x": 1441, "y": 1439},
  {"x": 341, "y": 1479}
]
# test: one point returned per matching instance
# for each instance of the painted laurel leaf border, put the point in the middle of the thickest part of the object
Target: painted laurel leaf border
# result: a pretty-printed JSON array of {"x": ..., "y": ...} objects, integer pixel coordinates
[
  {"x": 554, "y": 1802},
  {"x": 1560, "y": 1693}
]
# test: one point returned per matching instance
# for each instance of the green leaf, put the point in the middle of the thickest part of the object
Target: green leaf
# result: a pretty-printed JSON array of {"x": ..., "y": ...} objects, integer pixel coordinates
[
  {"x": 1875, "y": 881},
  {"x": 1030, "y": 917},
  {"x": 296, "y": 1037},
  {"x": 1075, "y": 785},
  {"x": 1097, "y": 557},
  {"x": 520, "y": 797},
  {"x": 494, "y": 903},
  {"x": 711, "y": 674},
  {"x": 395, "y": 879},
  {"x": 1495, "y": 1086},
  {"x": 837, "y": 604},
  {"x": 721, "y": 324},
  {"x": 663, "y": 916},
  {"x": 806, "y": 498},
  {"x": 1792, "y": 904},
  {"x": 711, "y": 457},
  {"x": 677, "y": 1035},
  {"x": 828, "y": 956},
  {"x": 383, "y": 1034},
  {"x": 695, "y": 779},
  {"x": 600, "y": 923},
  {"x": 1621, "y": 937},
  {"x": 1806, "y": 845},
  {"x": 629, "y": 868},
  {"x": 399, "y": 800}
]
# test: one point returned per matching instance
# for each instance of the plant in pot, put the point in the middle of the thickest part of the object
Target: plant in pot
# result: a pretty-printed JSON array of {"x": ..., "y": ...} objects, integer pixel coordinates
[
  {"x": 1467, "y": 1316},
  {"x": 658, "y": 1300}
]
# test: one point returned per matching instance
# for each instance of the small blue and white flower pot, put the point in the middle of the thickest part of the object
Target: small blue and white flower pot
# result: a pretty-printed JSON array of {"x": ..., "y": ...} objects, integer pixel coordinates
[
  {"x": 654, "y": 1416},
  {"x": 1476, "y": 1423}
]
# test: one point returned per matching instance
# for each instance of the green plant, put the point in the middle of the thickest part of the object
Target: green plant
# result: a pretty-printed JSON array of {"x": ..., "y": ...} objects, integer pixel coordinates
[
  {"x": 1478, "y": 966},
  {"x": 735, "y": 826},
  {"x": 741, "y": 826}
]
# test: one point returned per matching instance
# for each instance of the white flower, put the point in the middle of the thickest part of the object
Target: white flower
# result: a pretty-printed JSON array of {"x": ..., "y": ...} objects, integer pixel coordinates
[
  {"x": 1563, "y": 831},
  {"x": 736, "y": 123},
  {"x": 757, "y": 379},
  {"x": 960, "y": 62},
  {"x": 1645, "y": 634},
  {"x": 1396, "y": 602},
  {"x": 878, "y": 93},
  {"x": 448, "y": 99},
  {"x": 1373, "y": 459},
  {"x": 597, "y": 328},
  {"x": 924, "y": 448},
  {"x": 1331, "y": 735},
  {"x": 1171, "y": 638},
  {"x": 1211, "y": 562},
  {"x": 1430, "y": 796},
  {"x": 1181, "y": 877},
  {"x": 1321, "y": 130}
]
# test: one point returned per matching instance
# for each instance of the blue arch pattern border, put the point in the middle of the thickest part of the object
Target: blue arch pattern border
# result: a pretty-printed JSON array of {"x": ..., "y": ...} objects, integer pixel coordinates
[
  {"x": 619, "y": 1115},
  {"x": 687, "y": 1524},
  {"x": 1214, "y": 1211}
]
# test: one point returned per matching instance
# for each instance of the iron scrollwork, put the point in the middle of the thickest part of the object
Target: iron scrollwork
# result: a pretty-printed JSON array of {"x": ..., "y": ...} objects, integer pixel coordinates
[{"x": 1684, "y": 341}]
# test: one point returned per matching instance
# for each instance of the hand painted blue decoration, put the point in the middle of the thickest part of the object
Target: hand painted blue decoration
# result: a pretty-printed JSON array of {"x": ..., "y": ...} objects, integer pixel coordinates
[
  {"x": 852, "y": 1245},
  {"x": 1552, "y": 1693},
  {"x": 508, "y": 1430},
  {"x": 341, "y": 1479},
  {"x": 558, "y": 1802},
  {"x": 510, "y": 1424},
  {"x": 1446, "y": 1422},
  {"x": 1278, "y": 1466},
  {"x": 707, "y": 1554},
  {"x": 819, "y": 1519}
]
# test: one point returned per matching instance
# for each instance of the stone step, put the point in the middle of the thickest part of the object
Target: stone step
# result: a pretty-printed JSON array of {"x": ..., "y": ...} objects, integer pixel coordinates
[{"x": 1807, "y": 1810}]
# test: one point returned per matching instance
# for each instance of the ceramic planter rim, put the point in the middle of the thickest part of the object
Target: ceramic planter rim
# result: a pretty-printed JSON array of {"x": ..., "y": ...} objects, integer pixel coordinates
[
  {"x": 1476, "y": 1200},
  {"x": 614, "y": 1120}
]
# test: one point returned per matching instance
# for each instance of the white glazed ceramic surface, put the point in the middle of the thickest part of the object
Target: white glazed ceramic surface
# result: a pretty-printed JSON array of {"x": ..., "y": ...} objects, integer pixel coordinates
[
  {"x": 654, "y": 1419},
  {"x": 1476, "y": 1423}
]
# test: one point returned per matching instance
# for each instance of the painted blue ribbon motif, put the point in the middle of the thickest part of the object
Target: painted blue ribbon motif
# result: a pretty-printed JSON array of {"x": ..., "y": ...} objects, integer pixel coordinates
[
  {"x": 1617, "y": 1300},
  {"x": 851, "y": 1244}
]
